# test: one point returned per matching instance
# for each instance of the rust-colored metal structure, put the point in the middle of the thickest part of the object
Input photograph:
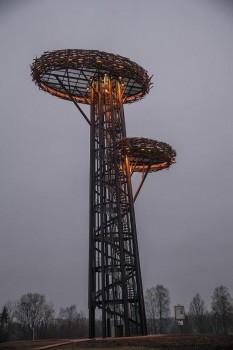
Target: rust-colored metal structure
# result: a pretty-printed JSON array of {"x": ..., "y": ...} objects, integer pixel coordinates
[
  {"x": 106, "y": 82},
  {"x": 146, "y": 156}
]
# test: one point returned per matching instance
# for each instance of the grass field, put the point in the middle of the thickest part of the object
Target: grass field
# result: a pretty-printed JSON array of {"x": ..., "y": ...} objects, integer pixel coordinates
[{"x": 158, "y": 342}]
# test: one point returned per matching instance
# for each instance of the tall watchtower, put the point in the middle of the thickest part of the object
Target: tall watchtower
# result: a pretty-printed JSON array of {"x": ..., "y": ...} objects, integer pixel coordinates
[{"x": 106, "y": 82}]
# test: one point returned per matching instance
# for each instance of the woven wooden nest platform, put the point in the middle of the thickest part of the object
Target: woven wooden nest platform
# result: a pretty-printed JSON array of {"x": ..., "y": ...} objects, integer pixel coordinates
[
  {"x": 146, "y": 154},
  {"x": 77, "y": 69}
]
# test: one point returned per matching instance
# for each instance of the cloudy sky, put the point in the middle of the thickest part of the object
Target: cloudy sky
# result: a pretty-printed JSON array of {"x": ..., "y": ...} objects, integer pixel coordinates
[{"x": 184, "y": 215}]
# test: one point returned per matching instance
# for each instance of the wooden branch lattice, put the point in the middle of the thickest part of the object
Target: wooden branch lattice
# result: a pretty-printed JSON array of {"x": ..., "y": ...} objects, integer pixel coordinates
[
  {"x": 144, "y": 154},
  {"x": 78, "y": 68}
]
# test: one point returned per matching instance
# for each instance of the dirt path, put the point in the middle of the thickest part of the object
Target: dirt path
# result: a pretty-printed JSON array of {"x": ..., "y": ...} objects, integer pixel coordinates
[{"x": 52, "y": 346}]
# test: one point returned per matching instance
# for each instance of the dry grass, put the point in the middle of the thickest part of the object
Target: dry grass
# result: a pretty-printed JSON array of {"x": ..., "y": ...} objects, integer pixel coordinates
[
  {"x": 29, "y": 344},
  {"x": 158, "y": 342}
]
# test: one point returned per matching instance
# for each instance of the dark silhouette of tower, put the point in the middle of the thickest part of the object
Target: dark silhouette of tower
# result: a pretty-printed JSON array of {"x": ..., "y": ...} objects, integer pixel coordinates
[
  {"x": 115, "y": 283},
  {"x": 106, "y": 82}
]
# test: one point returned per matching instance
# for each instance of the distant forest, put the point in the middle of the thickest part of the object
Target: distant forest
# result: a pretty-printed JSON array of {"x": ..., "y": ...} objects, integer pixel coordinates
[{"x": 32, "y": 317}]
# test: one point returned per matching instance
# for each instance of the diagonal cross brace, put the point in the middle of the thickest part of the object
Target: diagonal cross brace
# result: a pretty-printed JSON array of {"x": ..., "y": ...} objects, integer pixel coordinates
[
  {"x": 73, "y": 100},
  {"x": 142, "y": 182}
]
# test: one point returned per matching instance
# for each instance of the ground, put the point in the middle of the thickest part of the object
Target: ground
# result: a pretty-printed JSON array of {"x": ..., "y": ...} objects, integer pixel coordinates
[{"x": 158, "y": 342}]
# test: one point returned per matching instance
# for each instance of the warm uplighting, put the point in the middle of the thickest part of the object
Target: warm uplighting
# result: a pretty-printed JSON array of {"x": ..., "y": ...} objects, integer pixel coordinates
[
  {"x": 153, "y": 167},
  {"x": 146, "y": 154},
  {"x": 62, "y": 94},
  {"x": 83, "y": 66},
  {"x": 105, "y": 82}
]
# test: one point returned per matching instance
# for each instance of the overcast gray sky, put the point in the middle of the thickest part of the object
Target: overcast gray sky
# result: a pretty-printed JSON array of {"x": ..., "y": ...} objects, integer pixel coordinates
[{"x": 184, "y": 215}]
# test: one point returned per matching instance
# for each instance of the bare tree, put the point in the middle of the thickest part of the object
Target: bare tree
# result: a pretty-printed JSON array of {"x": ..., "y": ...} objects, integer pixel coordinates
[
  {"x": 222, "y": 307},
  {"x": 48, "y": 319},
  {"x": 198, "y": 311},
  {"x": 157, "y": 302},
  {"x": 163, "y": 304},
  {"x": 150, "y": 306},
  {"x": 71, "y": 323},
  {"x": 49, "y": 313},
  {"x": 30, "y": 311},
  {"x": 82, "y": 325},
  {"x": 68, "y": 317}
]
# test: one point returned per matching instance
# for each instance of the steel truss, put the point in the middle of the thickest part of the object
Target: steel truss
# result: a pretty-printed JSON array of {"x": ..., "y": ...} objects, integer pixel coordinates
[
  {"x": 115, "y": 284},
  {"x": 105, "y": 82}
]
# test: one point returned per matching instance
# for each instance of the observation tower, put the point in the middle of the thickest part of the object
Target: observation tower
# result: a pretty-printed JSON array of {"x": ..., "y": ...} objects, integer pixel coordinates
[{"x": 106, "y": 82}]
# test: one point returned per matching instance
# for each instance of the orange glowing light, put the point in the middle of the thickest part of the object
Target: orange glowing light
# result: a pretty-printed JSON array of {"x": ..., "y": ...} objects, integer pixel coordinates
[
  {"x": 78, "y": 98},
  {"x": 63, "y": 94},
  {"x": 153, "y": 167}
]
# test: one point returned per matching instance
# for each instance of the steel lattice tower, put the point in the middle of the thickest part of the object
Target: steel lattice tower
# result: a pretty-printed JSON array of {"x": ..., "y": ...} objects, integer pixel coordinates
[
  {"x": 105, "y": 82},
  {"x": 115, "y": 280}
]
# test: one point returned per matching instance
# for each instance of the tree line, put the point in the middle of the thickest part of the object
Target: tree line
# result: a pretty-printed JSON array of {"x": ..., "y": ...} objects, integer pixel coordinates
[
  {"x": 32, "y": 317},
  {"x": 198, "y": 319}
]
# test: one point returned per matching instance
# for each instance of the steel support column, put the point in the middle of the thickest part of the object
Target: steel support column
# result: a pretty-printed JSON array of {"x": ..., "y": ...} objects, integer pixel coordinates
[{"x": 115, "y": 284}]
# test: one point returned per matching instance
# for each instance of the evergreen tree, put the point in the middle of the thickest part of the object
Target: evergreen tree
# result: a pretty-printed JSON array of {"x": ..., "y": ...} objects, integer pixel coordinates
[{"x": 4, "y": 317}]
